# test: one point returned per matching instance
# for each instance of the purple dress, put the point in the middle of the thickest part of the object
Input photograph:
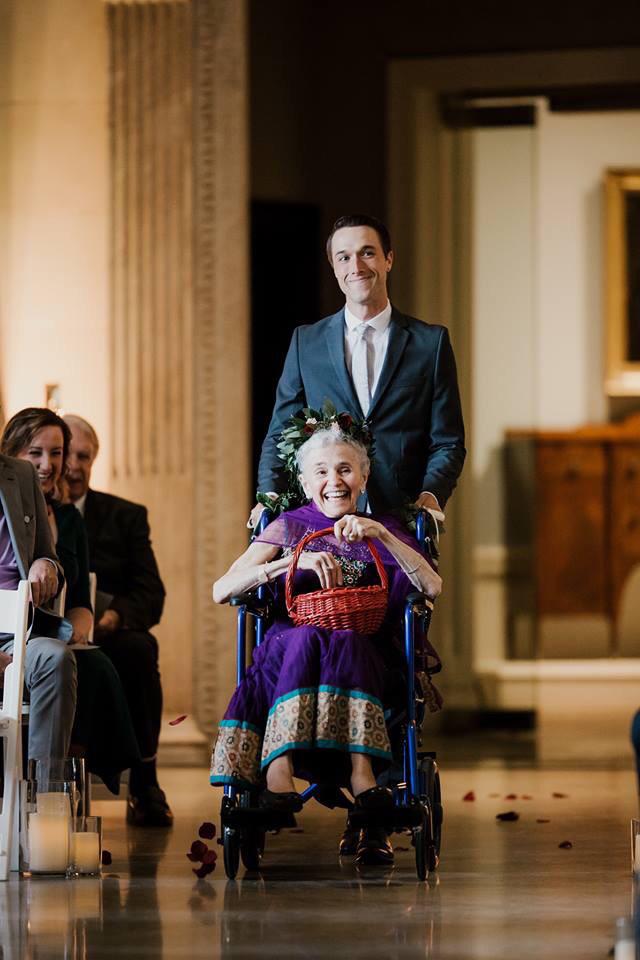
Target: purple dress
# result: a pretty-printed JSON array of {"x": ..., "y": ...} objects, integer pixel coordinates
[{"x": 318, "y": 693}]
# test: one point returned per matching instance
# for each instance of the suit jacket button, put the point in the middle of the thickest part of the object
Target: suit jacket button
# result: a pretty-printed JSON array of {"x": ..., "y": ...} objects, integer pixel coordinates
[{"x": 27, "y": 519}]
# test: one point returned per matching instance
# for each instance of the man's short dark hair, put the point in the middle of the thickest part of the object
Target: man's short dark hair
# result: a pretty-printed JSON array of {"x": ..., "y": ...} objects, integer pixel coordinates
[{"x": 361, "y": 220}]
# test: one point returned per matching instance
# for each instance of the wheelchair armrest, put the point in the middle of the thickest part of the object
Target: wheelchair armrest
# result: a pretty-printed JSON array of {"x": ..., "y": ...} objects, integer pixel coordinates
[{"x": 253, "y": 603}]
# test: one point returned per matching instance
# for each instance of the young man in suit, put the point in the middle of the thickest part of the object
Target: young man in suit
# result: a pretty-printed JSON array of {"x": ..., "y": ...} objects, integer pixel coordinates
[
  {"x": 27, "y": 553},
  {"x": 129, "y": 603},
  {"x": 374, "y": 362},
  {"x": 395, "y": 371}
]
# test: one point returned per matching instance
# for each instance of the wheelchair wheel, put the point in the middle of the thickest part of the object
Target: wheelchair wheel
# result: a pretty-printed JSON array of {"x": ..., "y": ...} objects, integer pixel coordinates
[
  {"x": 252, "y": 848},
  {"x": 432, "y": 797},
  {"x": 231, "y": 847},
  {"x": 420, "y": 840}
]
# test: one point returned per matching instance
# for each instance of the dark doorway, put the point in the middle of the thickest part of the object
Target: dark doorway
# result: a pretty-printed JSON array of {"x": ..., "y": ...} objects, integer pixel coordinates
[{"x": 286, "y": 256}]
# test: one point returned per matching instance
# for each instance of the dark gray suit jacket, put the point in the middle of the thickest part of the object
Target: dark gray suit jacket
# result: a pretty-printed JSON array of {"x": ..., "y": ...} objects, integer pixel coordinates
[
  {"x": 415, "y": 414},
  {"x": 26, "y": 512}
]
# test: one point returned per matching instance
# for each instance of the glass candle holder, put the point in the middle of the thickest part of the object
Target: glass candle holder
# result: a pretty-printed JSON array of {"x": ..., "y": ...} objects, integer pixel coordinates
[
  {"x": 86, "y": 847},
  {"x": 635, "y": 847},
  {"x": 48, "y": 827}
]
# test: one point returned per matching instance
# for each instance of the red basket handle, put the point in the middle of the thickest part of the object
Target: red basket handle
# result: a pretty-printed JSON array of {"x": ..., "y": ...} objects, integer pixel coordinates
[{"x": 288, "y": 587}]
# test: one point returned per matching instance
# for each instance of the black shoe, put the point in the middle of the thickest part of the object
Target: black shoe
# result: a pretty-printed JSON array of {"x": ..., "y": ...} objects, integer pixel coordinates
[
  {"x": 348, "y": 843},
  {"x": 150, "y": 809},
  {"x": 290, "y": 802},
  {"x": 374, "y": 848},
  {"x": 375, "y": 798}
]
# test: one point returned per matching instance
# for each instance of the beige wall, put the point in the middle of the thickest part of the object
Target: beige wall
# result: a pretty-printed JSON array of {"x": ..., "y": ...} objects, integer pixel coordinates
[{"x": 54, "y": 207}]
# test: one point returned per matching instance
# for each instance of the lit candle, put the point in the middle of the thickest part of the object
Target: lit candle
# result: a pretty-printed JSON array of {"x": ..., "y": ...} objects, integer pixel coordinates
[
  {"x": 48, "y": 843},
  {"x": 85, "y": 852}
]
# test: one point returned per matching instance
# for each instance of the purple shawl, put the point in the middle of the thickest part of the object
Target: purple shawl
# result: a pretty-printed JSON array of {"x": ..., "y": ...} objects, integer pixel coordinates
[{"x": 288, "y": 529}]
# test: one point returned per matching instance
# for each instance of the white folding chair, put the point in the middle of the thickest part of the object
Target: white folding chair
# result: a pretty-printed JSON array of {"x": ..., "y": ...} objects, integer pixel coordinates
[{"x": 14, "y": 611}]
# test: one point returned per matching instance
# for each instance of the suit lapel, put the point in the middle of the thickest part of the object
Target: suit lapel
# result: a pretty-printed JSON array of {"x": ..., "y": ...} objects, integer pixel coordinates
[
  {"x": 398, "y": 337},
  {"x": 335, "y": 344},
  {"x": 14, "y": 513}
]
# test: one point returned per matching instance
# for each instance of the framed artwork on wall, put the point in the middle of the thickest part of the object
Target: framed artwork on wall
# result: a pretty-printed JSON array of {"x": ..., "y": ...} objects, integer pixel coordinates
[{"x": 622, "y": 297}]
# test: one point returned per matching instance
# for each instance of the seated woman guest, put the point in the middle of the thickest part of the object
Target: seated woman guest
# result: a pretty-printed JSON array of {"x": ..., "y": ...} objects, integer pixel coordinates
[
  {"x": 102, "y": 727},
  {"x": 312, "y": 703}
]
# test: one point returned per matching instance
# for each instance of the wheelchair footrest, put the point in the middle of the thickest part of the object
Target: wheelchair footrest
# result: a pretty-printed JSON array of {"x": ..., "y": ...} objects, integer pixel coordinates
[
  {"x": 399, "y": 818},
  {"x": 241, "y": 818}
]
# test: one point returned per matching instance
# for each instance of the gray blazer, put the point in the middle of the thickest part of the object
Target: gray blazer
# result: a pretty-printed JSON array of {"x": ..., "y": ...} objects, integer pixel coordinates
[
  {"x": 415, "y": 414},
  {"x": 26, "y": 512}
]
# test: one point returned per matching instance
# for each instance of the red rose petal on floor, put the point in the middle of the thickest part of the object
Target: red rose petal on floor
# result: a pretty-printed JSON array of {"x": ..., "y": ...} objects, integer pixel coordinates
[
  {"x": 560, "y": 796},
  {"x": 542, "y": 820},
  {"x": 198, "y": 850},
  {"x": 204, "y": 870},
  {"x": 107, "y": 859},
  {"x": 526, "y": 796},
  {"x": 469, "y": 797},
  {"x": 174, "y": 723},
  {"x": 511, "y": 796},
  {"x": 210, "y": 857},
  {"x": 509, "y": 815},
  {"x": 207, "y": 830},
  {"x": 565, "y": 845}
]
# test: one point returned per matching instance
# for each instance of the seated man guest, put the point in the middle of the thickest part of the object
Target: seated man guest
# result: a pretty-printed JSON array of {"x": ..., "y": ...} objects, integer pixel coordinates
[
  {"x": 27, "y": 553},
  {"x": 313, "y": 701},
  {"x": 129, "y": 603}
]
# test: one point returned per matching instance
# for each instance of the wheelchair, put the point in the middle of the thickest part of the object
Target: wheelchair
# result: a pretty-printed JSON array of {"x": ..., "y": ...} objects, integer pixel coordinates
[{"x": 413, "y": 776}]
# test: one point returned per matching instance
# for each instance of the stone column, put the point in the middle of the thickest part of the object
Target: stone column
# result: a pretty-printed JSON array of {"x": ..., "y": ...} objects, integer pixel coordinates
[{"x": 179, "y": 311}]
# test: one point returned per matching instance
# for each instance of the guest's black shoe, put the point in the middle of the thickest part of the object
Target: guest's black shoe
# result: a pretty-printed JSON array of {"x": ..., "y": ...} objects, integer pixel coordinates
[
  {"x": 149, "y": 809},
  {"x": 374, "y": 848},
  {"x": 376, "y": 798},
  {"x": 290, "y": 802},
  {"x": 348, "y": 843}
]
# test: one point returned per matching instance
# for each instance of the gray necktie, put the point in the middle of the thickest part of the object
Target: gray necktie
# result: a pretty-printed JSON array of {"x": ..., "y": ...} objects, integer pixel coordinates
[{"x": 360, "y": 367}]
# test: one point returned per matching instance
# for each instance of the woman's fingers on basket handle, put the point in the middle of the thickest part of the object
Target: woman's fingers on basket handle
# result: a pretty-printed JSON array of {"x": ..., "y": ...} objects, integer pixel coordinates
[
  {"x": 324, "y": 565},
  {"x": 354, "y": 528}
]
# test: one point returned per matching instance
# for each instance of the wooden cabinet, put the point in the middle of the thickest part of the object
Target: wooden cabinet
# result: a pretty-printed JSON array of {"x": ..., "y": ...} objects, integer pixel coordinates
[{"x": 584, "y": 507}]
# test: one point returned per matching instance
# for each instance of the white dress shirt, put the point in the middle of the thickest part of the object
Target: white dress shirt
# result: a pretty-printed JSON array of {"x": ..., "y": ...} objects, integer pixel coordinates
[{"x": 378, "y": 339}]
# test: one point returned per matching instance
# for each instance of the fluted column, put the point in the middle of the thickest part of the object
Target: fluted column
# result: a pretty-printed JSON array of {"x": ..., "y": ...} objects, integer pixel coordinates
[{"x": 179, "y": 315}]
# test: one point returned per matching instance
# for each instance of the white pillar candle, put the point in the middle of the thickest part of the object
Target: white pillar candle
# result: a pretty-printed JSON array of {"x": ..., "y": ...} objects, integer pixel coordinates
[
  {"x": 48, "y": 843},
  {"x": 85, "y": 852}
]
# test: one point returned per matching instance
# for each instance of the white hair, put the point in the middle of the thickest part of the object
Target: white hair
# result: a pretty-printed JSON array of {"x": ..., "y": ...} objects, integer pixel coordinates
[{"x": 331, "y": 437}]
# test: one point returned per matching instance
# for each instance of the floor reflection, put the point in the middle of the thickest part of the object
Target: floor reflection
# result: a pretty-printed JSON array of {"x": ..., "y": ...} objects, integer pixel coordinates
[{"x": 259, "y": 911}]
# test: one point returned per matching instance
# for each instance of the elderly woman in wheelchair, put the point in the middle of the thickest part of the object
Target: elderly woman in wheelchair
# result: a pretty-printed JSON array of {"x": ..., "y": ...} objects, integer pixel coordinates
[{"x": 312, "y": 704}]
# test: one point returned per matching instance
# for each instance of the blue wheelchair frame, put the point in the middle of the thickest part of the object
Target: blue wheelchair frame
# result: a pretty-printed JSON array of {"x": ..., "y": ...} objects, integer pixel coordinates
[{"x": 417, "y": 797}]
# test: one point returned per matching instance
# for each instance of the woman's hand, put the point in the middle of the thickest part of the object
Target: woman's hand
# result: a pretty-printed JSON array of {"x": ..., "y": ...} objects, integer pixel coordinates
[
  {"x": 324, "y": 565},
  {"x": 354, "y": 529},
  {"x": 81, "y": 621}
]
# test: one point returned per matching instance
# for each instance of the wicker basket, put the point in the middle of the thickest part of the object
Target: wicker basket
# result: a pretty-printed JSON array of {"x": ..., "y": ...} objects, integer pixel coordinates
[{"x": 338, "y": 608}]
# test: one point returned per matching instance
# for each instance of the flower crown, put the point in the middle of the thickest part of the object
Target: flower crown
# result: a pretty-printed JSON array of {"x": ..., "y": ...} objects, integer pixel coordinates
[{"x": 297, "y": 431}]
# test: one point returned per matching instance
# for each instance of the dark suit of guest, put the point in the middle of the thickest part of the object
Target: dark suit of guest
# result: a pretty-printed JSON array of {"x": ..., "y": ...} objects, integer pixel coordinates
[
  {"x": 415, "y": 414},
  {"x": 122, "y": 558}
]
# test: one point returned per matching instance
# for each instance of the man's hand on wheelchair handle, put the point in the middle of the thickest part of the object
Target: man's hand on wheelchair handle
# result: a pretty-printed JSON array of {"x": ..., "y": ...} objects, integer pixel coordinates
[{"x": 258, "y": 510}]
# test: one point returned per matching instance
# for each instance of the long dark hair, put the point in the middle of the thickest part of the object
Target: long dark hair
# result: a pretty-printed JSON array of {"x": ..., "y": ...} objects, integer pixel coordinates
[{"x": 23, "y": 426}]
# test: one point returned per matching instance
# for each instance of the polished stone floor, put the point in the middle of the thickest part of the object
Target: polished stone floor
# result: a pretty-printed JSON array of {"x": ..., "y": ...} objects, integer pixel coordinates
[{"x": 504, "y": 889}]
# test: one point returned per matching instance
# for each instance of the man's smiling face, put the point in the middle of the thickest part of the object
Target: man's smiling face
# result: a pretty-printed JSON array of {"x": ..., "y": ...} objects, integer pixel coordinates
[{"x": 361, "y": 267}]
